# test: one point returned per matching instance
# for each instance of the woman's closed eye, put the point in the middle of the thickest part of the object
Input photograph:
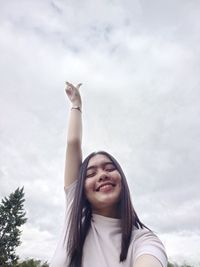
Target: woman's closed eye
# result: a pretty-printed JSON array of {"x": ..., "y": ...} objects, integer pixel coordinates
[
  {"x": 90, "y": 174},
  {"x": 110, "y": 168}
]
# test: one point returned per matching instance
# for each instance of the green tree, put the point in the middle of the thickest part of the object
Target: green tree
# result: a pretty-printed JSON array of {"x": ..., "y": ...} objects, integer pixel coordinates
[
  {"x": 12, "y": 216},
  {"x": 177, "y": 265},
  {"x": 32, "y": 263},
  {"x": 170, "y": 264}
]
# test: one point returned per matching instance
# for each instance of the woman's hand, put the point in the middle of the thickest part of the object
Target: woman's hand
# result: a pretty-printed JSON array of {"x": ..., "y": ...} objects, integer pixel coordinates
[{"x": 73, "y": 94}]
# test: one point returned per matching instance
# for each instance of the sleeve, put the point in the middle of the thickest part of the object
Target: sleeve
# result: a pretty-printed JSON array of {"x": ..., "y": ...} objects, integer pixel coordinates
[
  {"x": 59, "y": 258},
  {"x": 146, "y": 242},
  {"x": 69, "y": 197}
]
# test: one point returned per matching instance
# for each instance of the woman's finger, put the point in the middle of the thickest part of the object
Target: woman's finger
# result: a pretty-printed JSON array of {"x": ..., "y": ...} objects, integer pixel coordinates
[
  {"x": 79, "y": 85},
  {"x": 69, "y": 84}
]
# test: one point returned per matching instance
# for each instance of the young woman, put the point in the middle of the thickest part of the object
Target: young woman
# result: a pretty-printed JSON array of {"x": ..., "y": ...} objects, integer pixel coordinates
[{"x": 101, "y": 227}]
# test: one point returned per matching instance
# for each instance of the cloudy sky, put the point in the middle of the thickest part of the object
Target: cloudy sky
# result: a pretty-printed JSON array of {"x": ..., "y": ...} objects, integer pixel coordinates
[{"x": 139, "y": 62}]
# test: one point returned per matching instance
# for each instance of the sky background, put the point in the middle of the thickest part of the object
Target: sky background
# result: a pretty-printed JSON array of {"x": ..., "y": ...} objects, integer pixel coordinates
[{"x": 139, "y": 62}]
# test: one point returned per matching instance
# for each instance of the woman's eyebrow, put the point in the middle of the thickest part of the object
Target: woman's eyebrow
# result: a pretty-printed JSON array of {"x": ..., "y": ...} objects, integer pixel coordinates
[
  {"x": 92, "y": 167},
  {"x": 108, "y": 163}
]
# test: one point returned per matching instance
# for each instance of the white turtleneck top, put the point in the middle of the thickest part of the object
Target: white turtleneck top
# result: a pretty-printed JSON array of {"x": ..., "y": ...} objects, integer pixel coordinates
[{"x": 103, "y": 243}]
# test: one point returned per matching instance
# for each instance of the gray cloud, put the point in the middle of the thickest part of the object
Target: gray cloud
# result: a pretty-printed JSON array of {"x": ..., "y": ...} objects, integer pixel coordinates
[{"x": 139, "y": 64}]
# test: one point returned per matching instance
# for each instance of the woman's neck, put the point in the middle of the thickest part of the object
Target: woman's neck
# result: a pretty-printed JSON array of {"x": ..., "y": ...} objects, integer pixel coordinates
[{"x": 108, "y": 212}]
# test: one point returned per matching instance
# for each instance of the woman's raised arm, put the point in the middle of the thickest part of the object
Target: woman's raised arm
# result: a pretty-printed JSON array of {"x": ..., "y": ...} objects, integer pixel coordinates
[{"x": 74, "y": 136}]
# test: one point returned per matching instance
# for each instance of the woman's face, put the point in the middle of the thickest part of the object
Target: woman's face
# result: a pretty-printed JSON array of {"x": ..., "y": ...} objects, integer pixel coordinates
[{"x": 103, "y": 185}]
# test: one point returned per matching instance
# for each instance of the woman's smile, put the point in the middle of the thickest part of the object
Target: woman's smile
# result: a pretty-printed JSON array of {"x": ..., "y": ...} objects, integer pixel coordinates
[{"x": 106, "y": 187}]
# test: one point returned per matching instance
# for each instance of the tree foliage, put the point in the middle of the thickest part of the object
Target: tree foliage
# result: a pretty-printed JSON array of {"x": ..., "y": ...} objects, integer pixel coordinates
[
  {"x": 32, "y": 263},
  {"x": 12, "y": 216},
  {"x": 176, "y": 265}
]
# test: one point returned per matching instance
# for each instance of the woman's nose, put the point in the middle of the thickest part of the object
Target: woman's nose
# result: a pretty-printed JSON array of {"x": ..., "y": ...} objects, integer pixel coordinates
[{"x": 103, "y": 176}]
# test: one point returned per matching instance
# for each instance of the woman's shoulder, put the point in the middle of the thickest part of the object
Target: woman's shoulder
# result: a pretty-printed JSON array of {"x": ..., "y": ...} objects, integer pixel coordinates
[
  {"x": 146, "y": 241},
  {"x": 144, "y": 237},
  {"x": 144, "y": 234},
  {"x": 139, "y": 232}
]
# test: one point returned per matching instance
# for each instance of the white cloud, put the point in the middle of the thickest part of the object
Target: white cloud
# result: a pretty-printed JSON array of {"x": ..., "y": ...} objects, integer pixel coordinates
[
  {"x": 38, "y": 242},
  {"x": 139, "y": 64},
  {"x": 183, "y": 247}
]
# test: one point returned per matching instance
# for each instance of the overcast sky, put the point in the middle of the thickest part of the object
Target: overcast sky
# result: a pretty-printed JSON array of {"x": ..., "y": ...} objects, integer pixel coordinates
[{"x": 139, "y": 62}]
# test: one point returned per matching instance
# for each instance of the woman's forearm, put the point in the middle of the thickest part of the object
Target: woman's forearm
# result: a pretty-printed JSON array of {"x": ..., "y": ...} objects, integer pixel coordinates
[{"x": 74, "y": 134}]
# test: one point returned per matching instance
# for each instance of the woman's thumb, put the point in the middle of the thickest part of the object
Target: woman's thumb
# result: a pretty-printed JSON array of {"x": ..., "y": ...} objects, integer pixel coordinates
[{"x": 79, "y": 85}]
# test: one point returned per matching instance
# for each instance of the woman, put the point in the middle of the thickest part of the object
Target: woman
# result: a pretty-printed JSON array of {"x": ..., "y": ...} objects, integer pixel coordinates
[{"x": 101, "y": 227}]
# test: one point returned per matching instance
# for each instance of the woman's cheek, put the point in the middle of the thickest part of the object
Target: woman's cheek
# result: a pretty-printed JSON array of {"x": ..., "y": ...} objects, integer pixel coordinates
[{"x": 88, "y": 185}]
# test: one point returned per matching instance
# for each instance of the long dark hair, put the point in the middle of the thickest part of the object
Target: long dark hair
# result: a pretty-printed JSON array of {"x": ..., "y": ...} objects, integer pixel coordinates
[{"x": 80, "y": 219}]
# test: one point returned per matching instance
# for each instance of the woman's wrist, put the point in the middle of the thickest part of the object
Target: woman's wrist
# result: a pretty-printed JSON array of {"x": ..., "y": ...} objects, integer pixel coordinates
[
  {"x": 76, "y": 107},
  {"x": 77, "y": 103}
]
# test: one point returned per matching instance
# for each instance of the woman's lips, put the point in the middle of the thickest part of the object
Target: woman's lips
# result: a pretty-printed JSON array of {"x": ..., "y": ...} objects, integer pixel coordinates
[{"x": 105, "y": 187}]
